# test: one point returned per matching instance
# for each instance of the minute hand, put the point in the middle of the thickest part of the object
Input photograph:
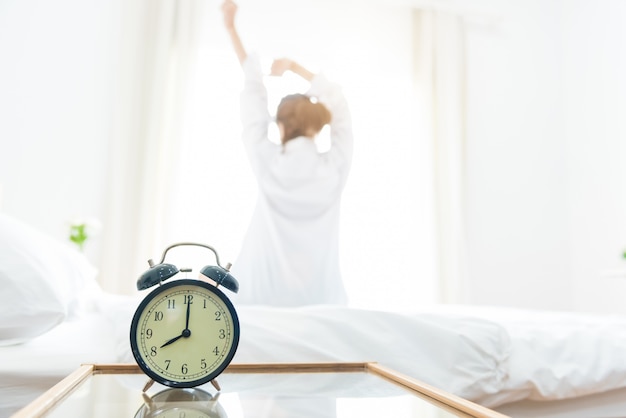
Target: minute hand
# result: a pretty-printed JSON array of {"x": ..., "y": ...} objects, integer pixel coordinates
[{"x": 187, "y": 319}]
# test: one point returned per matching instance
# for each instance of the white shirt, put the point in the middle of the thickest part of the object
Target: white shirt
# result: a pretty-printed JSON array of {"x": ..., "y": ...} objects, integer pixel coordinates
[{"x": 290, "y": 254}]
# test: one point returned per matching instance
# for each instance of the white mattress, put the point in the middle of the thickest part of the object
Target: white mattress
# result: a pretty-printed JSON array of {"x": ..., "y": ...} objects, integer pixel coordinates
[{"x": 522, "y": 363}]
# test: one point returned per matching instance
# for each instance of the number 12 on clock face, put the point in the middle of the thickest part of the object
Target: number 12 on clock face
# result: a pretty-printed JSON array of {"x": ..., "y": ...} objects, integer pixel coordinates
[{"x": 184, "y": 333}]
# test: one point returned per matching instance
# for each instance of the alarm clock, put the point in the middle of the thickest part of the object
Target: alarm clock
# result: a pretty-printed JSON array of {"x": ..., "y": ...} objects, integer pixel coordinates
[{"x": 185, "y": 332}]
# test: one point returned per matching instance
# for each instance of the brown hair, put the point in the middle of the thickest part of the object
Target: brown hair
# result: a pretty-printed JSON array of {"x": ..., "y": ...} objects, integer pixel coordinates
[{"x": 301, "y": 117}]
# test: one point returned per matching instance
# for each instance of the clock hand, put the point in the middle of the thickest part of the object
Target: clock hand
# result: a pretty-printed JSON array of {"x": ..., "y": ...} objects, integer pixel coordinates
[
  {"x": 186, "y": 332},
  {"x": 188, "y": 310},
  {"x": 172, "y": 340}
]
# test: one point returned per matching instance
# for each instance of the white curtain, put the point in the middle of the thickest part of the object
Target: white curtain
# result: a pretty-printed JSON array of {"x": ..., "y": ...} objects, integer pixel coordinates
[
  {"x": 440, "y": 80},
  {"x": 157, "y": 51}
]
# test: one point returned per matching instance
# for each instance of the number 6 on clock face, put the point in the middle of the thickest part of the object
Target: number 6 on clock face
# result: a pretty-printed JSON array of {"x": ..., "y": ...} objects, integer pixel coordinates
[{"x": 184, "y": 333}]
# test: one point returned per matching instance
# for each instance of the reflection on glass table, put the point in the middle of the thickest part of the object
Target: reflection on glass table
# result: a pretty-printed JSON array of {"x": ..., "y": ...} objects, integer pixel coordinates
[
  {"x": 181, "y": 403},
  {"x": 333, "y": 390}
]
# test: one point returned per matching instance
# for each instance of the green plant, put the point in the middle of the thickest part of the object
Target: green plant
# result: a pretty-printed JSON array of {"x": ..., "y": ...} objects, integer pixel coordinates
[
  {"x": 78, "y": 234},
  {"x": 82, "y": 229}
]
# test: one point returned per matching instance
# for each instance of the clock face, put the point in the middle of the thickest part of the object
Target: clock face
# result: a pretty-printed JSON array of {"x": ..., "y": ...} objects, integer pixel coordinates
[{"x": 184, "y": 333}]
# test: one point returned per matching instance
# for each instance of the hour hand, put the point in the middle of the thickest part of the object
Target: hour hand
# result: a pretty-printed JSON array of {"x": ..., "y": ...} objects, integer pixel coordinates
[{"x": 172, "y": 340}]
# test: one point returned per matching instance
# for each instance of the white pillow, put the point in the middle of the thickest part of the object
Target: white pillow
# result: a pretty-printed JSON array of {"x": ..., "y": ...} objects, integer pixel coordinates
[{"x": 42, "y": 281}]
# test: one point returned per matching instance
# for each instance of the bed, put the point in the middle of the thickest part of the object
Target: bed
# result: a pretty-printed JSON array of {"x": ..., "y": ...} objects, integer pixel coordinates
[{"x": 54, "y": 317}]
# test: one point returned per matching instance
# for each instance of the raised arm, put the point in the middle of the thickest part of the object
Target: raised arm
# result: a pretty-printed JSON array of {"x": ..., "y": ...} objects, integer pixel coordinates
[
  {"x": 255, "y": 116},
  {"x": 229, "y": 9}
]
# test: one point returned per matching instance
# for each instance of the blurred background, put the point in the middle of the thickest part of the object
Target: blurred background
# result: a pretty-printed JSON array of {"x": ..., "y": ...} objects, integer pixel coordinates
[{"x": 490, "y": 138}]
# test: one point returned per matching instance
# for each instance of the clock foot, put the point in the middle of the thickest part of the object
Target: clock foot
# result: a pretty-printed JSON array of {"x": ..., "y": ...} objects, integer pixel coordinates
[
  {"x": 216, "y": 385},
  {"x": 148, "y": 385}
]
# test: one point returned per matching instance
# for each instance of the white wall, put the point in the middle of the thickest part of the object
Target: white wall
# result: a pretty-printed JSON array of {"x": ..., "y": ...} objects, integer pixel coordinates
[
  {"x": 517, "y": 161},
  {"x": 56, "y": 78},
  {"x": 546, "y": 149},
  {"x": 595, "y": 109}
]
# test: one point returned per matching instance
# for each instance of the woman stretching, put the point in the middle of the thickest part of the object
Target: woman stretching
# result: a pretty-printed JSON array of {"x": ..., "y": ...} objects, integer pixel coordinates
[{"x": 290, "y": 254}]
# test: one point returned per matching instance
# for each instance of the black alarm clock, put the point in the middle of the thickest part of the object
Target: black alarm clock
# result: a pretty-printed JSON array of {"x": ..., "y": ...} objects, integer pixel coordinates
[{"x": 185, "y": 332}]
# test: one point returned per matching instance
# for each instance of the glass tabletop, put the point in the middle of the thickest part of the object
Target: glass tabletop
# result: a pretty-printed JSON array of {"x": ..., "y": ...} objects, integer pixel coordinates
[{"x": 324, "y": 392}]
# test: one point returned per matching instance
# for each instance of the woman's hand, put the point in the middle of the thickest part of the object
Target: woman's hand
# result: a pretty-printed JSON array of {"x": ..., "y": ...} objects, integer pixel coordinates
[
  {"x": 229, "y": 9},
  {"x": 279, "y": 66}
]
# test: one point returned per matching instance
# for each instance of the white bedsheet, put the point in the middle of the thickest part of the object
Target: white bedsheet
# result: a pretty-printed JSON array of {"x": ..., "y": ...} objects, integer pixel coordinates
[
  {"x": 28, "y": 370},
  {"x": 493, "y": 356},
  {"x": 555, "y": 355},
  {"x": 465, "y": 356}
]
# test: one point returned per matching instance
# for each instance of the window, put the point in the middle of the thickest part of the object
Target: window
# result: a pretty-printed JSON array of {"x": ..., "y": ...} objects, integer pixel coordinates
[{"x": 386, "y": 231}]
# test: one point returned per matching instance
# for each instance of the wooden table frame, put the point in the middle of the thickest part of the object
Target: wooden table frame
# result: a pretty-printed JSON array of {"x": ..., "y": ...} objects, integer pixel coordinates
[{"x": 449, "y": 402}]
